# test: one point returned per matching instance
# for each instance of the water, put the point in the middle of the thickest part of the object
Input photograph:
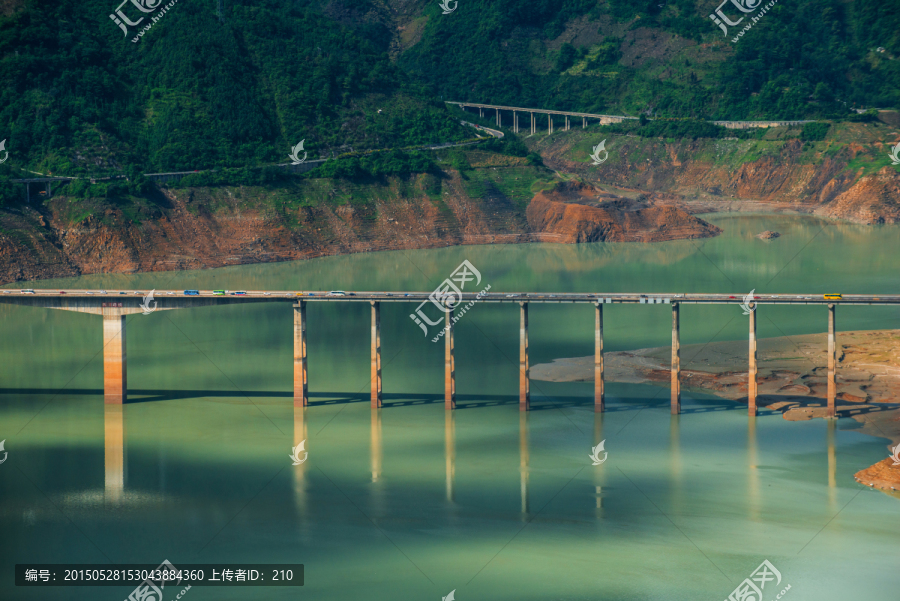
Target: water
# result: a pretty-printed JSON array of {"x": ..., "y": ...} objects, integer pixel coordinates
[{"x": 410, "y": 502}]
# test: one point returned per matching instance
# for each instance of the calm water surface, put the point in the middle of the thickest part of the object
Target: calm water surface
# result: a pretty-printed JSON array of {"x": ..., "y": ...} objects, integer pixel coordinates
[{"x": 411, "y": 502}]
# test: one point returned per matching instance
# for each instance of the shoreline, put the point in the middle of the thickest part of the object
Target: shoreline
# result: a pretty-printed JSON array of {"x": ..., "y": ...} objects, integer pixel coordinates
[{"x": 791, "y": 379}]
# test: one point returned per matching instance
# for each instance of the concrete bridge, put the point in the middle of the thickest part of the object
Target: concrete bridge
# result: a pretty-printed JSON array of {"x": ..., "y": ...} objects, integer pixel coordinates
[
  {"x": 114, "y": 305},
  {"x": 603, "y": 119}
]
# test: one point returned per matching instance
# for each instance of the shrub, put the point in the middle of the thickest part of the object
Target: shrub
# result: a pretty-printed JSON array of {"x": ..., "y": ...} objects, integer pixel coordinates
[{"x": 813, "y": 132}]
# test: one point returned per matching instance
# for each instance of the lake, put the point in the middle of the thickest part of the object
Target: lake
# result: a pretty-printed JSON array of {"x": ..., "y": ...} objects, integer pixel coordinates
[{"x": 413, "y": 502}]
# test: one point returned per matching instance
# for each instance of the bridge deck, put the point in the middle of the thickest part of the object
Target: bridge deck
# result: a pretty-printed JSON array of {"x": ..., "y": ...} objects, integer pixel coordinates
[{"x": 203, "y": 297}]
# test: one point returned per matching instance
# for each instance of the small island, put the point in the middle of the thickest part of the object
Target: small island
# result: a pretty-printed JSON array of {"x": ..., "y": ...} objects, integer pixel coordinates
[{"x": 768, "y": 235}]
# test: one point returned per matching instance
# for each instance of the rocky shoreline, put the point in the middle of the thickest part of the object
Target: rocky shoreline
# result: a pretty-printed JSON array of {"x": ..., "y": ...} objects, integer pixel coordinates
[{"x": 203, "y": 228}]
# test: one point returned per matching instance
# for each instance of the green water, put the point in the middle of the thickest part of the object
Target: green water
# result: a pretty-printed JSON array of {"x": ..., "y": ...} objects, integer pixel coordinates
[{"x": 410, "y": 503}]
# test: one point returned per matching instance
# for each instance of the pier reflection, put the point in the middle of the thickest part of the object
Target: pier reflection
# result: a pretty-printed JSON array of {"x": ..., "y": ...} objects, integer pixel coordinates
[
  {"x": 599, "y": 471},
  {"x": 114, "y": 452},
  {"x": 299, "y": 471},
  {"x": 523, "y": 459},
  {"x": 675, "y": 463},
  {"x": 377, "y": 450},
  {"x": 832, "y": 464},
  {"x": 376, "y": 455},
  {"x": 450, "y": 450},
  {"x": 753, "y": 492}
]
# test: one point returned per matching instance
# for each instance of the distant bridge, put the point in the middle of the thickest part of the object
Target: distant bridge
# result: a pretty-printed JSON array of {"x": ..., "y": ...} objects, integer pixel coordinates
[
  {"x": 114, "y": 305},
  {"x": 603, "y": 119}
]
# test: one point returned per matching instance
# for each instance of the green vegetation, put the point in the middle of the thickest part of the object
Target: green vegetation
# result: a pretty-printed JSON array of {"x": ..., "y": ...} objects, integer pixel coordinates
[
  {"x": 394, "y": 162},
  {"x": 10, "y": 192},
  {"x": 196, "y": 94},
  {"x": 676, "y": 128},
  {"x": 811, "y": 59},
  {"x": 814, "y": 131}
]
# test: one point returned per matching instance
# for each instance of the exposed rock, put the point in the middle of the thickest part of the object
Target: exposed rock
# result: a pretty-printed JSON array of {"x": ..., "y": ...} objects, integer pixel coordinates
[
  {"x": 783, "y": 179},
  {"x": 884, "y": 475},
  {"x": 580, "y": 213},
  {"x": 767, "y": 235}
]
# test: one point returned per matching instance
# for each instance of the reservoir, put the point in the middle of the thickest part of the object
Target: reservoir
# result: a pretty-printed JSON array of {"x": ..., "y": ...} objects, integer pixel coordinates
[{"x": 412, "y": 501}]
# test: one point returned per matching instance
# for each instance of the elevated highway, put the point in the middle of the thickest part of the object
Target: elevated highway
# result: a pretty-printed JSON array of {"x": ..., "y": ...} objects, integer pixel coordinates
[{"x": 114, "y": 305}]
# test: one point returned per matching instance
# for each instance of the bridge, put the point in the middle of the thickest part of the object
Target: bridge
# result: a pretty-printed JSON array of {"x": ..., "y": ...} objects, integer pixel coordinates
[
  {"x": 603, "y": 119},
  {"x": 114, "y": 305}
]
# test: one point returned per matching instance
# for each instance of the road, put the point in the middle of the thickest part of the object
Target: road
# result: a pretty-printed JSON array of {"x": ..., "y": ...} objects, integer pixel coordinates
[{"x": 20, "y": 296}]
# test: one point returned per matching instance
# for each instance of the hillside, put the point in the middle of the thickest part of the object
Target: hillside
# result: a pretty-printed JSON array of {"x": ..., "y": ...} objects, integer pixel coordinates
[
  {"x": 193, "y": 92},
  {"x": 197, "y": 90},
  {"x": 847, "y": 174},
  {"x": 805, "y": 59},
  {"x": 230, "y": 95}
]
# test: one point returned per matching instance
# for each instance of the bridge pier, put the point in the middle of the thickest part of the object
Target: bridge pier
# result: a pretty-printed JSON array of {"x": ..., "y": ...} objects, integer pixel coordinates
[
  {"x": 583, "y": 122},
  {"x": 376, "y": 354},
  {"x": 115, "y": 381},
  {"x": 676, "y": 360},
  {"x": 599, "y": 395},
  {"x": 533, "y": 130},
  {"x": 480, "y": 111},
  {"x": 524, "y": 372},
  {"x": 498, "y": 117},
  {"x": 515, "y": 122},
  {"x": 832, "y": 361},
  {"x": 567, "y": 123},
  {"x": 751, "y": 376},
  {"x": 549, "y": 123},
  {"x": 449, "y": 365},
  {"x": 301, "y": 378}
]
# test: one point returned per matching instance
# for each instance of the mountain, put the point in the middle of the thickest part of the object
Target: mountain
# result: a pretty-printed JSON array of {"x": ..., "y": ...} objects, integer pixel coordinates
[
  {"x": 83, "y": 92},
  {"x": 79, "y": 96},
  {"x": 666, "y": 58}
]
